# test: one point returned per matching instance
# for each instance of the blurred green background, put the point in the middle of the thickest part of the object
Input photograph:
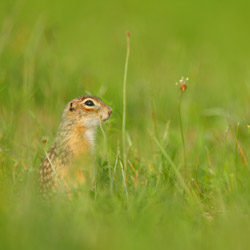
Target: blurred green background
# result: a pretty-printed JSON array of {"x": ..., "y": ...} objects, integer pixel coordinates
[{"x": 54, "y": 51}]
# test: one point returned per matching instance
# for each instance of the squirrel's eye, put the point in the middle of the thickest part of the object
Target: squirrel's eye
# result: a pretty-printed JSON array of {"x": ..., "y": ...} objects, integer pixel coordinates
[{"x": 89, "y": 103}]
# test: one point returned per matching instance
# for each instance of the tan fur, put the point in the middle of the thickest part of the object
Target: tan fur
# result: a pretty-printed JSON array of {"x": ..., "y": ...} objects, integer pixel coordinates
[
  {"x": 77, "y": 141},
  {"x": 70, "y": 156}
]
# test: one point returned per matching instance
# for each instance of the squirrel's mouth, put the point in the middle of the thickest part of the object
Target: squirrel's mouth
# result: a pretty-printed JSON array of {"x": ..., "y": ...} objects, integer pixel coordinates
[
  {"x": 105, "y": 118},
  {"x": 107, "y": 115}
]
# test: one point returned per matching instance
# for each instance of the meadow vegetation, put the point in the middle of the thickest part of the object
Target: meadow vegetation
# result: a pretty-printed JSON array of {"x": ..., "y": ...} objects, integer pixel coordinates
[{"x": 54, "y": 51}]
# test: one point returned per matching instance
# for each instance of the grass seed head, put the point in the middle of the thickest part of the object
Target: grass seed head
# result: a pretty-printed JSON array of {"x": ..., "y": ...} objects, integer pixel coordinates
[{"x": 183, "y": 83}]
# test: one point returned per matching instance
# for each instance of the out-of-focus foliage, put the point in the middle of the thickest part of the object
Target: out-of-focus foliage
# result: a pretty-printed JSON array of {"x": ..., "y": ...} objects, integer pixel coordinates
[{"x": 54, "y": 51}]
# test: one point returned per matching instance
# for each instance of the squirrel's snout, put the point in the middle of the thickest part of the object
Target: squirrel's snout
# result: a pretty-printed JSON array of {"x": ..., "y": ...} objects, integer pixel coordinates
[
  {"x": 107, "y": 115},
  {"x": 110, "y": 111}
]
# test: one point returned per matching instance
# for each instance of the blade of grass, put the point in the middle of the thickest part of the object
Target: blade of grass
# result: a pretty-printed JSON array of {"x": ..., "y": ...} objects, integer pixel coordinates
[
  {"x": 115, "y": 166},
  {"x": 124, "y": 179},
  {"x": 107, "y": 153},
  {"x": 174, "y": 167},
  {"x": 193, "y": 197},
  {"x": 123, "y": 172},
  {"x": 124, "y": 104}
]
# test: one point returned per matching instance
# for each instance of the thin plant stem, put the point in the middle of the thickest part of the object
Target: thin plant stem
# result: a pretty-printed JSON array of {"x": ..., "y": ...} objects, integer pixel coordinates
[
  {"x": 124, "y": 179},
  {"x": 182, "y": 134},
  {"x": 115, "y": 166},
  {"x": 124, "y": 104},
  {"x": 107, "y": 153},
  {"x": 123, "y": 172}
]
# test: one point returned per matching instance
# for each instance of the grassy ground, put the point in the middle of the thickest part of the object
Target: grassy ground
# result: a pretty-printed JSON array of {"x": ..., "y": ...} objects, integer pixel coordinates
[{"x": 53, "y": 51}]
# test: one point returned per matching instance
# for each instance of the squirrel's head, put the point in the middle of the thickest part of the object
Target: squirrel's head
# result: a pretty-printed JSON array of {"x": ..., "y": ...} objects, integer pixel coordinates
[{"x": 89, "y": 111}]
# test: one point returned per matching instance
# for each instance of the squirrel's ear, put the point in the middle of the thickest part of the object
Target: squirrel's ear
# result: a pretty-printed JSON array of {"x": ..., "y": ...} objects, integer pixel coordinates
[{"x": 72, "y": 106}]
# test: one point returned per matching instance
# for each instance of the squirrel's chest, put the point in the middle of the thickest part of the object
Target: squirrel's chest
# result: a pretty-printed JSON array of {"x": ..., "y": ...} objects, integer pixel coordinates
[
  {"x": 75, "y": 173},
  {"x": 81, "y": 142}
]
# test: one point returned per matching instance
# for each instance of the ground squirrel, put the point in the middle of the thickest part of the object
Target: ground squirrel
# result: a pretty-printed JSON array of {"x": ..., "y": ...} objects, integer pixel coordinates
[{"x": 74, "y": 139}]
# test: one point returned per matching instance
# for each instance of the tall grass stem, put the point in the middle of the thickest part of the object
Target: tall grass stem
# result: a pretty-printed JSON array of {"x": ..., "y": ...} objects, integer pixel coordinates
[
  {"x": 107, "y": 154},
  {"x": 124, "y": 179},
  {"x": 182, "y": 134},
  {"x": 124, "y": 103}
]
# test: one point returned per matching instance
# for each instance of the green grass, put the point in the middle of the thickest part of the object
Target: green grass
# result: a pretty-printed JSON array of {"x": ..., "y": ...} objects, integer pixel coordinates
[{"x": 54, "y": 51}]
